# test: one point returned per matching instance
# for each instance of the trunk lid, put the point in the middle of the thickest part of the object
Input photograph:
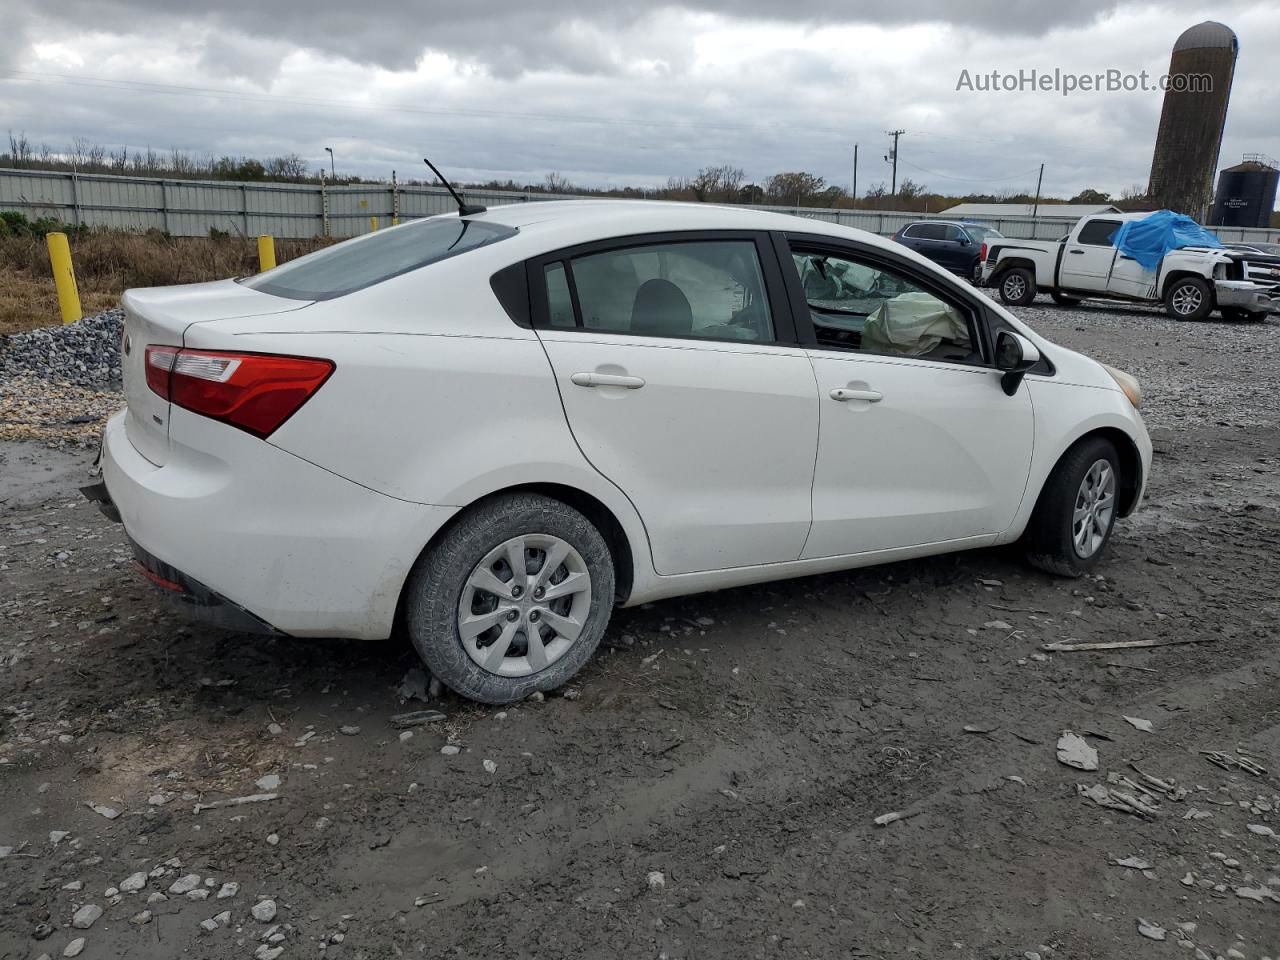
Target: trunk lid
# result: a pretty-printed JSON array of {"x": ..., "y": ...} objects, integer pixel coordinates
[{"x": 160, "y": 316}]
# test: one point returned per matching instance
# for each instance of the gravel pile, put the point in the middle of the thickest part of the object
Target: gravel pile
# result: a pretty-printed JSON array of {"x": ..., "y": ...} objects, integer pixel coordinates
[{"x": 84, "y": 354}]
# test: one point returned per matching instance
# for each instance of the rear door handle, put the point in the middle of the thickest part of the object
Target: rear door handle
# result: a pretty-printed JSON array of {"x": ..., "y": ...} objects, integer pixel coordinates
[
  {"x": 1080, "y": 252},
  {"x": 844, "y": 393},
  {"x": 607, "y": 380}
]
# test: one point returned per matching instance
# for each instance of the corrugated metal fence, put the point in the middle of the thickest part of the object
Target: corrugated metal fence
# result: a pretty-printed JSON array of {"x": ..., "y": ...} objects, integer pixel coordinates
[{"x": 191, "y": 208}]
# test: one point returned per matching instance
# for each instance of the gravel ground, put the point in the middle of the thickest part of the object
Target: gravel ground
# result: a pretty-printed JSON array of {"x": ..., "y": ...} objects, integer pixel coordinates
[
  {"x": 83, "y": 354},
  {"x": 708, "y": 788}
]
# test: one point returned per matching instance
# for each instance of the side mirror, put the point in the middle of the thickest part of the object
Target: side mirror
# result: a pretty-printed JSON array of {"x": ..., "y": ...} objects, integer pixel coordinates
[
  {"x": 964, "y": 241},
  {"x": 1015, "y": 355}
]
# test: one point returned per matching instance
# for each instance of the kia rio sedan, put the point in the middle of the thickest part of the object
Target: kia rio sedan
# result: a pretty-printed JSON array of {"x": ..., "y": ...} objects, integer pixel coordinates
[{"x": 489, "y": 430}]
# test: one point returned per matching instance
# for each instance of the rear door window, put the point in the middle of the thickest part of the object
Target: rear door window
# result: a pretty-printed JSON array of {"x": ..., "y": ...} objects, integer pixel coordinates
[
  {"x": 1097, "y": 233},
  {"x": 364, "y": 261}
]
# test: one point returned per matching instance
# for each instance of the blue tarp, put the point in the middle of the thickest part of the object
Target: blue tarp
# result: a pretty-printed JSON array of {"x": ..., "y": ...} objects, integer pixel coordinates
[{"x": 1149, "y": 239}]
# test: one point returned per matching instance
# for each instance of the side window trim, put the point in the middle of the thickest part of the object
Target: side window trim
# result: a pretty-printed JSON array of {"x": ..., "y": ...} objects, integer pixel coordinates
[
  {"x": 784, "y": 332},
  {"x": 980, "y": 317}
]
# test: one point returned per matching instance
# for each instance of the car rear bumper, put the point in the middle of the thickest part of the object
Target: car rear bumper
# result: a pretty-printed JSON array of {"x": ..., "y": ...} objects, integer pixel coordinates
[
  {"x": 1246, "y": 295},
  {"x": 260, "y": 540}
]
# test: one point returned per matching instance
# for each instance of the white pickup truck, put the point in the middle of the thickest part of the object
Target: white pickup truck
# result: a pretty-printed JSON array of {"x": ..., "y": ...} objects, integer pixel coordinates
[{"x": 1190, "y": 282}]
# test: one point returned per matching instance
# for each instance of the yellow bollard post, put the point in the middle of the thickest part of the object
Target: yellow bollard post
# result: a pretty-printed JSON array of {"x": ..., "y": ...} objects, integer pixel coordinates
[
  {"x": 266, "y": 253},
  {"x": 373, "y": 224},
  {"x": 395, "y": 221},
  {"x": 64, "y": 277}
]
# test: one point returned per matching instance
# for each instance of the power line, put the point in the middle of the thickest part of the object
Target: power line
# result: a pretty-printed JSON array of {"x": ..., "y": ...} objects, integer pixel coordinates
[{"x": 944, "y": 176}]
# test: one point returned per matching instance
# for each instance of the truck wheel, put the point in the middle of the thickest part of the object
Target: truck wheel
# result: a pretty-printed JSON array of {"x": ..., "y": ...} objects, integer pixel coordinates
[
  {"x": 1076, "y": 512},
  {"x": 1240, "y": 315},
  {"x": 1017, "y": 287},
  {"x": 1188, "y": 298},
  {"x": 1063, "y": 300},
  {"x": 512, "y": 600}
]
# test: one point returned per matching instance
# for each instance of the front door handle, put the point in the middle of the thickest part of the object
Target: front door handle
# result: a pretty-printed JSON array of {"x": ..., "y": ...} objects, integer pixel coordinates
[
  {"x": 607, "y": 380},
  {"x": 845, "y": 393}
]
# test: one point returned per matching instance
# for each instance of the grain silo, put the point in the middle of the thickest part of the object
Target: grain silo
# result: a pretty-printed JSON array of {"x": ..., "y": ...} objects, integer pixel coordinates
[{"x": 1191, "y": 122}]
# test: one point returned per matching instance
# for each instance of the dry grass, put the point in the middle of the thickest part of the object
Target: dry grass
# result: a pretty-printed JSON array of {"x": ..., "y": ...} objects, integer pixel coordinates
[{"x": 107, "y": 263}]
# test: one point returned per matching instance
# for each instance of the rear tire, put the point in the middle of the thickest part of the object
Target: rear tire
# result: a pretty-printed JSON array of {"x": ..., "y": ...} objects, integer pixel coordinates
[
  {"x": 1188, "y": 298},
  {"x": 466, "y": 583},
  {"x": 1076, "y": 513},
  {"x": 1017, "y": 287},
  {"x": 1063, "y": 300}
]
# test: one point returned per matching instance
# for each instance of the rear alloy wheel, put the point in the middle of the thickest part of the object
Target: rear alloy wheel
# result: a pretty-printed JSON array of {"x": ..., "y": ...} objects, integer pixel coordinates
[
  {"x": 514, "y": 598},
  {"x": 1017, "y": 287},
  {"x": 1188, "y": 298},
  {"x": 1076, "y": 513}
]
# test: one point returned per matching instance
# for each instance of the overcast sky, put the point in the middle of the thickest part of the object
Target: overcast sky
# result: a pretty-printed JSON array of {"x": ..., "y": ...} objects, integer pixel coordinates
[{"x": 625, "y": 93}]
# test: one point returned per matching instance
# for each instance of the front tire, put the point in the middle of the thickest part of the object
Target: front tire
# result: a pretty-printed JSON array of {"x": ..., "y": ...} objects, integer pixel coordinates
[
  {"x": 1188, "y": 298},
  {"x": 1017, "y": 287},
  {"x": 1073, "y": 520},
  {"x": 513, "y": 599}
]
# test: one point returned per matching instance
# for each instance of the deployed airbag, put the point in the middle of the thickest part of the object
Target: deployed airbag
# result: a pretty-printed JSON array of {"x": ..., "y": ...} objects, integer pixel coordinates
[{"x": 912, "y": 325}]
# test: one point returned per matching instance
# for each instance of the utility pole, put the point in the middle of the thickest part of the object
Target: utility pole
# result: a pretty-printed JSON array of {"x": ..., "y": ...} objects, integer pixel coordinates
[
  {"x": 1035, "y": 210},
  {"x": 855, "y": 172},
  {"x": 893, "y": 158}
]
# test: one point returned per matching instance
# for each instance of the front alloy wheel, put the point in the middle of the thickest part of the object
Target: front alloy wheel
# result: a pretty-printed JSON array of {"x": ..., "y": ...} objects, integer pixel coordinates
[{"x": 1094, "y": 510}]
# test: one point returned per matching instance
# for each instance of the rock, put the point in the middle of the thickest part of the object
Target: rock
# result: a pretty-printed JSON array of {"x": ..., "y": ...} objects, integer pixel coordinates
[
  {"x": 656, "y": 880},
  {"x": 997, "y": 625},
  {"x": 1260, "y": 894},
  {"x": 572, "y": 694},
  {"x": 490, "y": 766},
  {"x": 1133, "y": 863},
  {"x": 133, "y": 883},
  {"x": 349, "y": 731},
  {"x": 57, "y": 836},
  {"x": 157, "y": 897},
  {"x": 264, "y": 911},
  {"x": 209, "y": 925},
  {"x": 223, "y": 918},
  {"x": 268, "y": 783},
  {"x": 74, "y": 948},
  {"x": 199, "y": 894},
  {"x": 111, "y": 892},
  {"x": 1139, "y": 724},
  {"x": 273, "y": 838},
  {"x": 1261, "y": 829},
  {"x": 1075, "y": 751},
  {"x": 184, "y": 884},
  {"x": 109, "y": 812},
  {"x": 537, "y": 696},
  {"x": 406, "y": 735},
  {"x": 275, "y": 729},
  {"x": 140, "y": 918},
  {"x": 73, "y": 885},
  {"x": 1152, "y": 931},
  {"x": 229, "y": 889},
  {"x": 86, "y": 916},
  {"x": 267, "y": 953},
  {"x": 451, "y": 749}
]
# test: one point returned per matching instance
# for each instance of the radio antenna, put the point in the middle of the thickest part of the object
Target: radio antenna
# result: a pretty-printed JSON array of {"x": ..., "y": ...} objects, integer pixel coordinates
[{"x": 464, "y": 209}]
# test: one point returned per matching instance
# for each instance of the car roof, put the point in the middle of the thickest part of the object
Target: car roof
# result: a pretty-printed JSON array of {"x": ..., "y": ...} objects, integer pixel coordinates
[{"x": 552, "y": 224}]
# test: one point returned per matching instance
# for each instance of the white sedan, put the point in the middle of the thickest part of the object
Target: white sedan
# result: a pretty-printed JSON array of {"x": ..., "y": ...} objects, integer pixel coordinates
[{"x": 491, "y": 429}]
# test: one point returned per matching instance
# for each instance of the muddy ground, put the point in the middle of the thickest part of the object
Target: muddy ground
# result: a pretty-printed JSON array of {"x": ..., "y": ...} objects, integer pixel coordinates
[{"x": 709, "y": 788}]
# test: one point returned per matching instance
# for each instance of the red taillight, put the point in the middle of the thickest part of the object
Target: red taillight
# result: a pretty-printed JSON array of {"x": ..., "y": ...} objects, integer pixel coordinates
[
  {"x": 253, "y": 391},
  {"x": 982, "y": 253}
]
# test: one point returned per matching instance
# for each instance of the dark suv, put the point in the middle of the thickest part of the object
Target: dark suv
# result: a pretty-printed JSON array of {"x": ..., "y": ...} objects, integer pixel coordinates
[{"x": 958, "y": 246}]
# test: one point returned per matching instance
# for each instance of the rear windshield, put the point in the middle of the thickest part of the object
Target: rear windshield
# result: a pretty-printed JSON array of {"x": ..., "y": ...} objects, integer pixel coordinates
[{"x": 375, "y": 257}]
